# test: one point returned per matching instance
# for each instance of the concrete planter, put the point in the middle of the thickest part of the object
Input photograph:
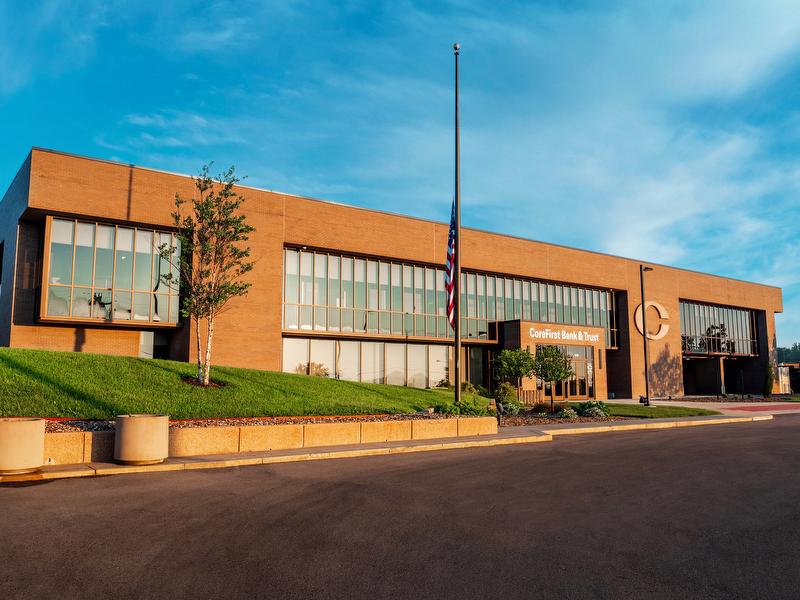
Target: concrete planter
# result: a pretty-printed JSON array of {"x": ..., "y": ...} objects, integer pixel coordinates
[
  {"x": 21, "y": 445},
  {"x": 141, "y": 439}
]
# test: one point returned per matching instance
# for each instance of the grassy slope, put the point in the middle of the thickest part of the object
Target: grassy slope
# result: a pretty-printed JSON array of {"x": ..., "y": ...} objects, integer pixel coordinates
[{"x": 66, "y": 384}]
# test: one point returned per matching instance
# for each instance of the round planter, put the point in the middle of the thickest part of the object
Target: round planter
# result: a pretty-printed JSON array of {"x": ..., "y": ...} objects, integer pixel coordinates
[
  {"x": 141, "y": 439},
  {"x": 21, "y": 445}
]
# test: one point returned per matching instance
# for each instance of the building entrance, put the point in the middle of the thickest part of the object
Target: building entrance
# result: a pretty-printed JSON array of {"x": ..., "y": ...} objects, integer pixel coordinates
[{"x": 578, "y": 387}]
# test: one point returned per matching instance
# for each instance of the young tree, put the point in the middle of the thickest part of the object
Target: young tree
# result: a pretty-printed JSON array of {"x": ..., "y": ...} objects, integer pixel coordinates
[
  {"x": 551, "y": 363},
  {"x": 514, "y": 365},
  {"x": 213, "y": 258},
  {"x": 769, "y": 380}
]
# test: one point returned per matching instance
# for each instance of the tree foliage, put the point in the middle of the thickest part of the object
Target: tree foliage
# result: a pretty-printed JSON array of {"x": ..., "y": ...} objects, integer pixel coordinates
[
  {"x": 790, "y": 354},
  {"x": 213, "y": 256},
  {"x": 514, "y": 364},
  {"x": 551, "y": 363},
  {"x": 769, "y": 380}
]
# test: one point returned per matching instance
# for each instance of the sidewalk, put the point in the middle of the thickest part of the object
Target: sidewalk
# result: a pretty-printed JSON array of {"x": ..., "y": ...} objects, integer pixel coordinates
[{"x": 506, "y": 436}]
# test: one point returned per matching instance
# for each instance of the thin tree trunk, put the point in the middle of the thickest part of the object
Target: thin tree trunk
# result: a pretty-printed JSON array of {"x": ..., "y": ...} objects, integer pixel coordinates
[
  {"x": 207, "y": 363},
  {"x": 199, "y": 353}
]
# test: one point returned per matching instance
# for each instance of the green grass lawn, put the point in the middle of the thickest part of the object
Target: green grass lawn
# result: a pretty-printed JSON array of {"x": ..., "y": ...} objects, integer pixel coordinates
[
  {"x": 93, "y": 386},
  {"x": 653, "y": 412}
]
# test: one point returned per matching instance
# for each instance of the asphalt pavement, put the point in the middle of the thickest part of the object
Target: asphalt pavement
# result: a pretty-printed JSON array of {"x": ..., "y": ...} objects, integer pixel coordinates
[{"x": 711, "y": 512}]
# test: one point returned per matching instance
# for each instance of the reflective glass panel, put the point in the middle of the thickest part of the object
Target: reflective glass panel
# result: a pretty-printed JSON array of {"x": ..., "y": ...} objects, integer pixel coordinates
[
  {"x": 84, "y": 253},
  {"x": 61, "y": 246}
]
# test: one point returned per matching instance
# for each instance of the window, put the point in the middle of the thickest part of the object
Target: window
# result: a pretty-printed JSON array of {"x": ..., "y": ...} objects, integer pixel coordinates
[
  {"x": 438, "y": 364},
  {"x": 330, "y": 292},
  {"x": 295, "y": 355},
  {"x": 417, "y": 372},
  {"x": 707, "y": 329},
  {"x": 348, "y": 364},
  {"x": 414, "y": 365},
  {"x": 110, "y": 273},
  {"x": 323, "y": 358},
  {"x": 396, "y": 364},
  {"x": 372, "y": 362}
]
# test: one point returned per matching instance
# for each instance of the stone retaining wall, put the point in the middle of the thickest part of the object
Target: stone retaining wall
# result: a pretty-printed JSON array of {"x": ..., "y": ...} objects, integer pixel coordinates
[{"x": 84, "y": 447}]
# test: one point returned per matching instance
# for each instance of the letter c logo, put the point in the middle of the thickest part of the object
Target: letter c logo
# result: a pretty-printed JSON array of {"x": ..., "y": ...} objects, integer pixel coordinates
[{"x": 663, "y": 314}]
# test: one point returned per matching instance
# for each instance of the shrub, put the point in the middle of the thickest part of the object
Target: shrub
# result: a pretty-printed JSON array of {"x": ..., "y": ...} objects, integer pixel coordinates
[
  {"x": 567, "y": 413},
  {"x": 593, "y": 408},
  {"x": 506, "y": 394},
  {"x": 482, "y": 391},
  {"x": 473, "y": 406},
  {"x": 468, "y": 388},
  {"x": 470, "y": 405},
  {"x": 769, "y": 379},
  {"x": 446, "y": 409},
  {"x": 541, "y": 408}
]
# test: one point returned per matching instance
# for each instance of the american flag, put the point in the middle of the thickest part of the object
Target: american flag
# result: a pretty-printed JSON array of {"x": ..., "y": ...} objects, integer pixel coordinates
[{"x": 450, "y": 269}]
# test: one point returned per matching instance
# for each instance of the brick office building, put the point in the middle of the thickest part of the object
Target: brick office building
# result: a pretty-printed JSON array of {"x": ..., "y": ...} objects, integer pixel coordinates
[{"x": 358, "y": 294}]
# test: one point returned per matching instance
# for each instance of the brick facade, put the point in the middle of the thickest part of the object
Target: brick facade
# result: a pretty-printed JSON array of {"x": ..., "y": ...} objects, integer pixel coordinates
[{"x": 249, "y": 334}]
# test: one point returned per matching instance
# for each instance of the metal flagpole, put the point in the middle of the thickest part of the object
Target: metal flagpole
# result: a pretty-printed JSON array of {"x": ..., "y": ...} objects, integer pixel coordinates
[{"x": 457, "y": 269}]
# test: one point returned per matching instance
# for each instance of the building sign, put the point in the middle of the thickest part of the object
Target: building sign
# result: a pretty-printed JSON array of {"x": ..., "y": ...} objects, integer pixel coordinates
[
  {"x": 562, "y": 335},
  {"x": 663, "y": 314}
]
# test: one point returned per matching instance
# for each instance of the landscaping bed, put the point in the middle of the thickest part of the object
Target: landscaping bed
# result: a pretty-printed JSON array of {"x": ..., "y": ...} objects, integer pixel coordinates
[
  {"x": 596, "y": 412},
  {"x": 60, "y": 426},
  {"x": 534, "y": 419}
]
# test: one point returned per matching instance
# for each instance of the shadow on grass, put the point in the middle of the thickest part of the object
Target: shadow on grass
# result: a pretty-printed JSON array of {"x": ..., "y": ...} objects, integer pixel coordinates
[{"x": 109, "y": 410}]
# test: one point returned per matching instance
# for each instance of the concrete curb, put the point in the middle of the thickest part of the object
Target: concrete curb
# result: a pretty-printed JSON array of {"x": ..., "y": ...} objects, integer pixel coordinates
[
  {"x": 518, "y": 435},
  {"x": 216, "y": 461},
  {"x": 650, "y": 424}
]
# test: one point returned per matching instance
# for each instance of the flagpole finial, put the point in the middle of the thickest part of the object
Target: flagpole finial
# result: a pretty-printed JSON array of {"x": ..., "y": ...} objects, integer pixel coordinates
[{"x": 456, "y": 47}]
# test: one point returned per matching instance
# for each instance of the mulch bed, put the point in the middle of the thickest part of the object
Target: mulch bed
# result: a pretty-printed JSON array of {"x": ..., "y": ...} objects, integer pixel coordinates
[
  {"x": 531, "y": 419},
  {"x": 61, "y": 426}
]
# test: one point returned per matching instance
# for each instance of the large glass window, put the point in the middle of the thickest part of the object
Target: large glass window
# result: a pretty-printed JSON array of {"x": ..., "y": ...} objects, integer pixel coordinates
[
  {"x": 110, "y": 273},
  {"x": 84, "y": 255},
  {"x": 349, "y": 367},
  {"x": 416, "y": 365},
  {"x": 709, "y": 329},
  {"x": 295, "y": 355},
  {"x": 372, "y": 362},
  {"x": 396, "y": 364},
  {"x": 61, "y": 246},
  {"x": 329, "y": 292},
  {"x": 438, "y": 364},
  {"x": 323, "y": 358}
]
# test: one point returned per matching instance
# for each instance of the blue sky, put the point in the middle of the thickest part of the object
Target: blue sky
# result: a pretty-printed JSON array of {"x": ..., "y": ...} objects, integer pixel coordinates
[{"x": 665, "y": 131}]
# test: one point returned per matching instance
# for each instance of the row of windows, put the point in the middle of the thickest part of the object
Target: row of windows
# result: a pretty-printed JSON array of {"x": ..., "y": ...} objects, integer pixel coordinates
[
  {"x": 707, "y": 328},
  {"x": 108, "y": 272},
  {"x": 415, "y": 365},
  {"x": 328, "y": 292}
]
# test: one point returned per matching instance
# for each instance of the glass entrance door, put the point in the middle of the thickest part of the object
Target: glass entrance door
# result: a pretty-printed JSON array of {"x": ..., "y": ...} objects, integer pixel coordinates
[{"x": 578, "y": 387}]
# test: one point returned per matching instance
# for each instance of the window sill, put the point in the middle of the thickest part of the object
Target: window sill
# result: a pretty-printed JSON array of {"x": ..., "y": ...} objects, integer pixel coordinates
[{"x": 108, "y": 323}]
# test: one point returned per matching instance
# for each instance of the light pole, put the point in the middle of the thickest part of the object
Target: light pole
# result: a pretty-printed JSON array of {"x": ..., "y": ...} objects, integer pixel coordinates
[{"x": 642, "y": 270}]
